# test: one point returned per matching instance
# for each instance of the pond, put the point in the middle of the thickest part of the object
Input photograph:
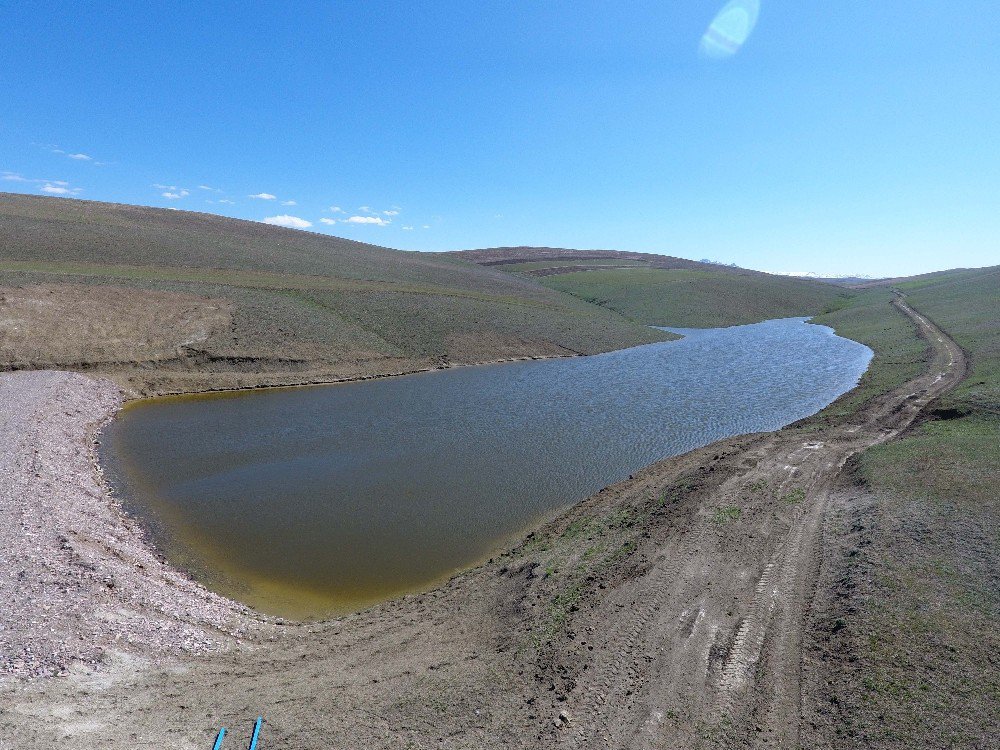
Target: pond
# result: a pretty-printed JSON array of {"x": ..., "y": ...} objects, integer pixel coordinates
[{"x": 306, "y": 502}]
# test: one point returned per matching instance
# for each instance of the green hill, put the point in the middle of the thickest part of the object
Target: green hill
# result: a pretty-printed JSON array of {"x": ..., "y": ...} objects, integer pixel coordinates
[
  {"x": 168, "y": 300},
  {"x": 666, "y": 291},
  {"x": 921, "y": 635}
]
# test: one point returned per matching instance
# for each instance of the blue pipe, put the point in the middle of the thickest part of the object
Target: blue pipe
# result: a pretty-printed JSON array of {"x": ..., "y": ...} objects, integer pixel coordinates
[
  {"x": 218, "y": 740},
  {"x": 256, "y": 733}
]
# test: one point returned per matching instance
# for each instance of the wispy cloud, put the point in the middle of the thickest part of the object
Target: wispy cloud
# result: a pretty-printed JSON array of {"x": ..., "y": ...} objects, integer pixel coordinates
[
  {"x": 263, "y": 196},
  {"x": 408, "y": 229},
  {"x": 289, "y": 203},
  {"x": 290, "y": 222},
  {"x": 391, "y": 212},
  {"x": 327, "y": 221},
  {"x": 13, "y": 177},
  {"x": 209, "y": 189},
  {"x": 74, "y": 155},
  {"x": 336, "y": 209},
  {"x": 227, "y": 201}
]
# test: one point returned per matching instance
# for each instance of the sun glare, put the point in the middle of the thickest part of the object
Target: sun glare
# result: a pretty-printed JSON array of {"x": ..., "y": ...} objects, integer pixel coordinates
[{"x": 730, "y": 28}]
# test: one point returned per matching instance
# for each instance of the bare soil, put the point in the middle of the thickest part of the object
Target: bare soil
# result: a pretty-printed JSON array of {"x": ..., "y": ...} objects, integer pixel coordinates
[{"x": 670, "y": 610}]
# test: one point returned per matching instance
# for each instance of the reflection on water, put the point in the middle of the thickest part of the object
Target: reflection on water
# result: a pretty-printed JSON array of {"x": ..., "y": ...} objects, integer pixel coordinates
[{"x": 307, "y": 501}]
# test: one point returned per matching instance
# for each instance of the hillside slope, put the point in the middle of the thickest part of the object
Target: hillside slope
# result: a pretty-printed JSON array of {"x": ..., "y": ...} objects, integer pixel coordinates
[
  {"x": 904, "y": 636},
  {"x": 666, "y": 291},
  {"x": 178, "y": 301}
]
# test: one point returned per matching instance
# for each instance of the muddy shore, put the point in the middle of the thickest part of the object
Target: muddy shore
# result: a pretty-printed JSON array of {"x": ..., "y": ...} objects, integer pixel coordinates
[{"x": 641, "y": 618}]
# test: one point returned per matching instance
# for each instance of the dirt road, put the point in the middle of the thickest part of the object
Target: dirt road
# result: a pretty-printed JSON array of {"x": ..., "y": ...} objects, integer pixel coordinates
[
  {"x": 713, "y": 639},
  {"x": 666, "y": 611}
]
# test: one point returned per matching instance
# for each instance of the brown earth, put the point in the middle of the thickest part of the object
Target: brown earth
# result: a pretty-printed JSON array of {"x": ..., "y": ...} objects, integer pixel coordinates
[
  {"x": 670, "y": 610},
  {"x": 62, "y": 326}
]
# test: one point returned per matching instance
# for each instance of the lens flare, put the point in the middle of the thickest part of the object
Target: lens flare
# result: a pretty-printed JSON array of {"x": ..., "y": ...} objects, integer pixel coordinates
[{"x": 730, "y": 28}]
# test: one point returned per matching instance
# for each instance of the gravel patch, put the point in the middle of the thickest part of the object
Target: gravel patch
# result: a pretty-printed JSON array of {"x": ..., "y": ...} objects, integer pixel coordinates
[{"x": 78, "y": 582}]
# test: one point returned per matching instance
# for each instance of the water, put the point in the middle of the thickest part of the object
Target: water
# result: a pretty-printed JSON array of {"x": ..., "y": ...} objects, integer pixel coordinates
[{"x": 308, "y": 501}]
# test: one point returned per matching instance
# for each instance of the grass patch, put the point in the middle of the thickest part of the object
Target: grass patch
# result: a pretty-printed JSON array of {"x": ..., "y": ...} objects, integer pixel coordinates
[
  {"x": 925, "y": 672},
  {"x": 899, "y": 352},
  {"x": 794, "y": 497},
  {"x": 727, "y": 514}
]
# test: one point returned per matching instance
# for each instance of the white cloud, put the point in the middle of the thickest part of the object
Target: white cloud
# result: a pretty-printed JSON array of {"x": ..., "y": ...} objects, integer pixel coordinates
[
  {"x": 289, "y": 203},
  {"x": 59, "y": 189},
  {"x": 329, "y": 222},
  {"x": 49, "y": 187},
  {"x": 175, "y": 194},
  {"x": 209, "y": 189},
  {"x": 336, "y": 209},
  {"x": 408, "y": 229},
  {"x": 427, "y": 226},
  {"x": 377, "y": 220},
  {"x": 393, "y": 212},
  {"x": 291, "y": 222},
  {"x": 80, "y": 157},
  {"x": 264, "y": 196},
  {"x": 227, "y": 201}
]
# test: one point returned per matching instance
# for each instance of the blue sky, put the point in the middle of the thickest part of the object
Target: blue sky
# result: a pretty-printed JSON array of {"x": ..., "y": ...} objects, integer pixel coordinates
[{"x": 848, "y": 137}]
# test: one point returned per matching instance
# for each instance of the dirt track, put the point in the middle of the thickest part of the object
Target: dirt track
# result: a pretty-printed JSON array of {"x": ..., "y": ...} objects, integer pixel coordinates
[{"x": 683, "y": 629}]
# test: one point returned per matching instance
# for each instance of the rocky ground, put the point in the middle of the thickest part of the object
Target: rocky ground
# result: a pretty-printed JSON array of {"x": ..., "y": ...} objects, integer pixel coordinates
[
  {"x": 667, "y": 611},
  {"x": 76, "y": 578}
]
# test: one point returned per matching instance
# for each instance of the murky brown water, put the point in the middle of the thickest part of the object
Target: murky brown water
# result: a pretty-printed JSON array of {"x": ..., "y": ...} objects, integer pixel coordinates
[{"x": 308, "y": 501}]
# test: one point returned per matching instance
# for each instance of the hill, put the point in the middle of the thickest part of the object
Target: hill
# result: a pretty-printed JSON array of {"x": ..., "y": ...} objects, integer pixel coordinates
[
  {"x": 175, "y": 301},
  {"x": 666, "y": 291},
  {"x": 916, "y": 580}
]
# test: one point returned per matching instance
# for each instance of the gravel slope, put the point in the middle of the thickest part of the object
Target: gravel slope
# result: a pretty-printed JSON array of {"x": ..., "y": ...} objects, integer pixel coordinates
[{"x": 76, "y": 578}]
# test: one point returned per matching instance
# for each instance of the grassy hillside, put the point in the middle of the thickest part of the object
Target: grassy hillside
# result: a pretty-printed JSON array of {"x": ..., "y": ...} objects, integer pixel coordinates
[
  {"x": 243, "y": 303},
  {"x": 666, "y": 291},
  {"x": 899, "y": 353},
  {"x": 919, "y": 639}
]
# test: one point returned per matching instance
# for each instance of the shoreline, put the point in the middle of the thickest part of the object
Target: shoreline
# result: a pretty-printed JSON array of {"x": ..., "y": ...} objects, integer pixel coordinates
[
  {"x": 223, "y": 390},
  {"x": 191, "y": 596}
]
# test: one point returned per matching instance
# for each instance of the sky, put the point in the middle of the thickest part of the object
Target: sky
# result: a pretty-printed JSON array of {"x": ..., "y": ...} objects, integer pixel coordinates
[{"x": 788, "y": 136}]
